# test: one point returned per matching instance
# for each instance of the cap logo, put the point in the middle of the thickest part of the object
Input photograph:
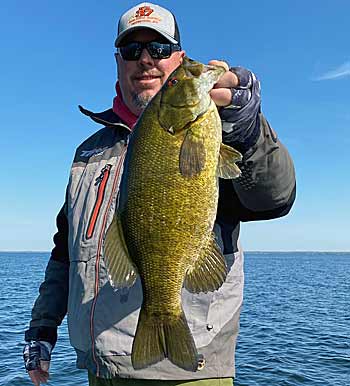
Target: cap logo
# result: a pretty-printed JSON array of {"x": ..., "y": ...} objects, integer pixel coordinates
[
  {"x": 143, "y": 14},
  {"x": 144, "y": 11}
]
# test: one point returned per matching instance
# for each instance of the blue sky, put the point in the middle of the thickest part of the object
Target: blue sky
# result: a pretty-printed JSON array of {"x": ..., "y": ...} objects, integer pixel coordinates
[{"x": 56, "y": 55}]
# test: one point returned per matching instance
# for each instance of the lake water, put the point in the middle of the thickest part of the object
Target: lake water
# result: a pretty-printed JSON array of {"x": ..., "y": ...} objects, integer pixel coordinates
[{"x": 295, "y": 324}]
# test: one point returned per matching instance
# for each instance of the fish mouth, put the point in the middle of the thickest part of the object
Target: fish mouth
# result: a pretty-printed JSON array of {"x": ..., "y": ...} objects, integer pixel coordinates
[
  {"x": 201, "y": 108},
  {"x": 189, "y": 119},
  {"x": 187, "y": 105}
]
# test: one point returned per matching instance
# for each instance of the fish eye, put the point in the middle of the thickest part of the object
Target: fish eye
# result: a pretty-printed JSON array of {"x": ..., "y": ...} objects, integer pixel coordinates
[{"x": 172, "y": 82}]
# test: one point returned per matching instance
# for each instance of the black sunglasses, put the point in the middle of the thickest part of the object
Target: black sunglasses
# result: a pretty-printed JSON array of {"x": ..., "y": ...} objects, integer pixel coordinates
[{"x": 133, "y": 50}]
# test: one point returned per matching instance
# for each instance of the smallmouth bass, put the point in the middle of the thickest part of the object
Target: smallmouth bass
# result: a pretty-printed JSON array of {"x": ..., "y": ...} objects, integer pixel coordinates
[{"x": 163, "y": 226}]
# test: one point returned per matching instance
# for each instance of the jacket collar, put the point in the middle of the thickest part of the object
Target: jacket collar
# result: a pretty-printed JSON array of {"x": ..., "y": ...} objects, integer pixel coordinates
[{"x": 107, "y": 118}]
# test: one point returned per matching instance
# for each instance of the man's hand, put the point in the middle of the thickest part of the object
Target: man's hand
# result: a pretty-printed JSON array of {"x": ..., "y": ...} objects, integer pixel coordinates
[
  {"x": 37, "y": 357},
  {"x": 221, "y": 94}
]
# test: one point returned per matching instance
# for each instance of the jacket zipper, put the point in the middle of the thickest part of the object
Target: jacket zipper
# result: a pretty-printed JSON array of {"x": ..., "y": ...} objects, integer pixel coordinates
[
  {"x": 101, "y": 181},
  {"x": 98, "y": 257}
]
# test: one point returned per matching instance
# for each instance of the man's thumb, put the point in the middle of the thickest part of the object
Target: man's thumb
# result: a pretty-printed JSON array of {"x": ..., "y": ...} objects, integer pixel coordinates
[{"x": 45, "y": 365}]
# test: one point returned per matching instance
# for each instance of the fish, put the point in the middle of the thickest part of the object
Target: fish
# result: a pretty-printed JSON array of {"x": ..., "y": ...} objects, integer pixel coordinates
[{"x": 162, "y": 229}]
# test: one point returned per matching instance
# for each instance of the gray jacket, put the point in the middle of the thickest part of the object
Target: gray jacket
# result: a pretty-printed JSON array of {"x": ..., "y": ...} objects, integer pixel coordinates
[{"x": 102, "y": 320}]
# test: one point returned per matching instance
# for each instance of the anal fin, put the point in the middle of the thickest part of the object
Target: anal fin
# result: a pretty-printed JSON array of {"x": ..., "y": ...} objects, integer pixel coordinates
[{"x": 209, "y": 271}]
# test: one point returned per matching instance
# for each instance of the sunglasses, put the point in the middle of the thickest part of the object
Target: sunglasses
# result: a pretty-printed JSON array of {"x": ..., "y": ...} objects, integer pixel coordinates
[{"x": 133, "y": 50}]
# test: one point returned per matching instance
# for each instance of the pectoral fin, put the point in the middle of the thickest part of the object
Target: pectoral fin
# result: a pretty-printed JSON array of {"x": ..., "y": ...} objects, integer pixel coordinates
[
  {"x": 209, "y": 271},
  {"x": 226, "y": 165},
  {"x": 118, "y": 262},
  {"x": 192, "y": 155}
]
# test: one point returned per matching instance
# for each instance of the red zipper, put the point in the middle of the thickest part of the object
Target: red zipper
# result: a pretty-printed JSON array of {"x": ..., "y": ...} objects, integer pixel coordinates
[
  {"x": 98, "y": 257},
  {"x": 102, "y": 182}
]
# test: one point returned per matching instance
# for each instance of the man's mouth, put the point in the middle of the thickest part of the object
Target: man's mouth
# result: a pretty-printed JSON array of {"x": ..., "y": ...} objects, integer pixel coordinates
[
  {"x": 146, "y": 77},
  {"x": 147, "y": 81}
]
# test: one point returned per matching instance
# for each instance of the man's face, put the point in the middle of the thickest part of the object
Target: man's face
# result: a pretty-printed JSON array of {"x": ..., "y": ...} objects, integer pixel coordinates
[{"x": 141, "y": 79}]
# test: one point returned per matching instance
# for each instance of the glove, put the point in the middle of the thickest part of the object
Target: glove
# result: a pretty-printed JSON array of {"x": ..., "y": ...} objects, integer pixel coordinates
[
  {"x": 37, "y": 356},
  {"x": 242, "y": 94},
  {"x": 240, "y": 120}
]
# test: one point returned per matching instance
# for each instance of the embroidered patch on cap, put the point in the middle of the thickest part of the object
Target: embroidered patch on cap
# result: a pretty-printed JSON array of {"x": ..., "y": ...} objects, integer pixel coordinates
[{"x": 144, "y": 14}]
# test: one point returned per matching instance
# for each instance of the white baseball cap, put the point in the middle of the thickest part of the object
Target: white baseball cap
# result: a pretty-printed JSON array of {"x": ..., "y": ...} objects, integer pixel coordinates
[{"x": 148, "y": 15}]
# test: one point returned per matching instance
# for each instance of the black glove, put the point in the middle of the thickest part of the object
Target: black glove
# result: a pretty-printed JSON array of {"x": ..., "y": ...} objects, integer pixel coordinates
[
  {"x": 35, "y": 353},
  {"x": 242, "y": 94},
  {"x": 240, "y": 120}
]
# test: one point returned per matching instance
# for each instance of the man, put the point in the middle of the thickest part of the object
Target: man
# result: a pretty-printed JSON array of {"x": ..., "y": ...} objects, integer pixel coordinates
[{"x": 102, "y": 321}]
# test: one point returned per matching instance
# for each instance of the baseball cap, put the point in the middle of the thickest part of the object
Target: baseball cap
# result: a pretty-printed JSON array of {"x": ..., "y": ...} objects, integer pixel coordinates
[{"x": 148, "y": 15}]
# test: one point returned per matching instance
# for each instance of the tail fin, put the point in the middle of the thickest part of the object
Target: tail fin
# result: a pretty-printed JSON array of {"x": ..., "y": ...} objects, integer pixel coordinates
[{"x": 156, "y": 340}]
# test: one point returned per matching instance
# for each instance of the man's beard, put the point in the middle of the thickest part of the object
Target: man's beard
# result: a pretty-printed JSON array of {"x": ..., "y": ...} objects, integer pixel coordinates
[{"x": 141, "y": 101}]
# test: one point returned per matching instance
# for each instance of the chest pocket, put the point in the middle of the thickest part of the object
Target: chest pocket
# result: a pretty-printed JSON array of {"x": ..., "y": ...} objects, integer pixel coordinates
[
  {"x": 101, "y": 183},
  {"x": 92, "y": 201}
]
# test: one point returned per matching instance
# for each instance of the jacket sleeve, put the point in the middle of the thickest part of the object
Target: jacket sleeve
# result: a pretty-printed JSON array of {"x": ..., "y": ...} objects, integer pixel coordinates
[
  {"x": 266, "y": 189},
  {"x": 51, "y": 305}
]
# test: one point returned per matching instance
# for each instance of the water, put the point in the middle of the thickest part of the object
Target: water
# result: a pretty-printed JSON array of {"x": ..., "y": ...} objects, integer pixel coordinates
[{"x": 295, "y": 325}]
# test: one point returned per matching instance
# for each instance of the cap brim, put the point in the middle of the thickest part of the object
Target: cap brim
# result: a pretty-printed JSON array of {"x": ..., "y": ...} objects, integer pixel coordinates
[{"x": 141, "y": 26}]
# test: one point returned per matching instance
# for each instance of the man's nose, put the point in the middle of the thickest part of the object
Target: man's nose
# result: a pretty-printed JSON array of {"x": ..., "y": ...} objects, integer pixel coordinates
[{"x": 145, "y": 58}]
